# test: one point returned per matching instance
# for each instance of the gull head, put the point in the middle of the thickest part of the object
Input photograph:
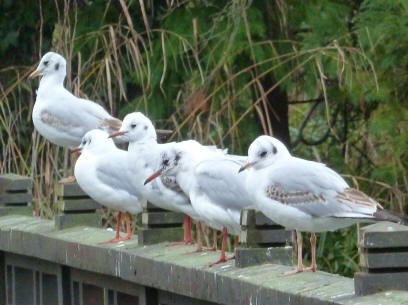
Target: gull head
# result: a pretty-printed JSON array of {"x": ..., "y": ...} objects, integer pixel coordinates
[
  {"x": 265, "y": 151},
  {"x": 136, "y": 127},
  {"x": 170, "y": 162},
  {"x": 95, "y": 140},
  {"x": 51, "y": 64}
]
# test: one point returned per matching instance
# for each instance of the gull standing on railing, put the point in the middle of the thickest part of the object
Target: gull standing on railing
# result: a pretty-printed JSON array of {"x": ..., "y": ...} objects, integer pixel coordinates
[
  {"x": 305, "y": 195},
  {"x": 143, "y": 158},
  {"x": 103, "y": 173},
  {"x": 58, "y": 115},
  {"x": 210, "y": 179}
]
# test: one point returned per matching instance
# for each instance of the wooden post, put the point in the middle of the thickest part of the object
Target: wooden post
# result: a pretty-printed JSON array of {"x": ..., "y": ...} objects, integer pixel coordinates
[
  {"x": 262, "y": 241},
  {"x": 383, "y": 258},
  {"x": 15, "y": 194},
  {"x": 75, "y": 207},
  {"x": 159, "y": 225}
]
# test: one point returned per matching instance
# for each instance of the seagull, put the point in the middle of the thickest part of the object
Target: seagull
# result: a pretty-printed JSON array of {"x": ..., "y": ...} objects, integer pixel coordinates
[
  {"x": 102, "y": 172},
  {"x": 58, "y": 115},
  {"x": 210, "y": 179},
  {"x": 61, "y": 117},
  {"x": 305, "y": 195},
  {"x": 143, "y": 158}
]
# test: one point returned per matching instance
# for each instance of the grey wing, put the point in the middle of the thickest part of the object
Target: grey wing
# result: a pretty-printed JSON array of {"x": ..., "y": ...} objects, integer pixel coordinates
[
  {"x": 220, "y": 180},
  {"x": 74, "y": 117},
  {"x": 316, "y": 190},
  {"x": 114, "y": 171}
]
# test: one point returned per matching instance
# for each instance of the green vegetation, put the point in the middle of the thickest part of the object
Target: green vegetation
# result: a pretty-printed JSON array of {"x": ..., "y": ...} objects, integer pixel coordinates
[{"x": 329, "y": 77}]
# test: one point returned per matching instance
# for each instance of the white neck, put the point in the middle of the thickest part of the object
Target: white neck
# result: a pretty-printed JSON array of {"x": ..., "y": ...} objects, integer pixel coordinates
[{"x": 51, "y": 81}]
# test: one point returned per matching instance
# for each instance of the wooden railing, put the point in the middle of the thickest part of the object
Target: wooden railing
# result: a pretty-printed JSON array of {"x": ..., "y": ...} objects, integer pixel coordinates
[{"x": 42, "y": 262}]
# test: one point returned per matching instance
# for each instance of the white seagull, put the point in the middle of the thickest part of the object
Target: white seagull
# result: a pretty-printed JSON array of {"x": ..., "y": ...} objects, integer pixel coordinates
[
  {"x": 305, "y": 195},
  {"x": 143, "y": 158},
  {"x": 58, "y": 115},
  {"x": 210, "y": 179},
  {"x": 103, "y": 173}
]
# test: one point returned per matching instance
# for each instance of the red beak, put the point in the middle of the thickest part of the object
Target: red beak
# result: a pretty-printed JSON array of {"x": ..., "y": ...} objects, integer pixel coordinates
[
  {"x": 153, "y": 176},
  {"x": 246, "y": 166},
  {"x": 117, "y": 134},
  {"x": 76, "y": 149}
]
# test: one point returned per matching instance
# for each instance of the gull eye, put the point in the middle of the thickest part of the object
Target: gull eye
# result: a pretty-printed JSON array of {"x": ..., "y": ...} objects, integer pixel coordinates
[
  {"x": 46, "y": 63},
  {"x": 133, "y": 125},
  {"x": 263, "y": 154},
  {"x": 166, "y": 162},
  {"x": 83, "y": 142}
]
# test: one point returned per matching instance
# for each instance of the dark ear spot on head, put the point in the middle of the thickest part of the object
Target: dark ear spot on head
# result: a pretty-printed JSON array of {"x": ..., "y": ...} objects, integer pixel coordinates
[
  {"x": 274, "y": 150},
  {"x": 145, "y": 128},
  {"x": 177, "y": 157},
  {"x": 56, "y": 66}
]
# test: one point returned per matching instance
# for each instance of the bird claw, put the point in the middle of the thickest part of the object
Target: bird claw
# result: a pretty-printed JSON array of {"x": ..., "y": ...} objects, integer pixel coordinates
[
  {"x": 180, "y": 243},
  {"x": 310, "y": 269},
  {"x": 115, "y": 240},
  {"x": 222, "y": 260},
  {"x": 197, "y": 250},
  {"x": 295, "y": 271}
]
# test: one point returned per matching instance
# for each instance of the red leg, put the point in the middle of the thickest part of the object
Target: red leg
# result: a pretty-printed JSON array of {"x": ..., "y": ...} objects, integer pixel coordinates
[
  {"x": 313, "y": 266},
  {"x": 215, "y": 244},
  {"x": 117, "y": 236},
  {"x": 128, "y": 229},
  {"x": 188, "y": 236},
  {"x": 299, "y": 267},
  {"x": 223, "y": 258},
  {"x": 199, "y": 239}
]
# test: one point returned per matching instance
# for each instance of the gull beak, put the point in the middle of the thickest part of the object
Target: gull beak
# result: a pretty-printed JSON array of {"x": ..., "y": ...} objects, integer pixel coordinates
[
  {"x": 246, "y": 166},
  {"x": 76, "y": 149},
  {"x": 117, "y": 134},
  {"x": 153, "y": 176},
  {"x": 35, "y": 74}
]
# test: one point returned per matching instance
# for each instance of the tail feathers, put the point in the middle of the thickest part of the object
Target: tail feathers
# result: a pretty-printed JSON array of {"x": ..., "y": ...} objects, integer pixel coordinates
[{"x": 384, "y": 215}]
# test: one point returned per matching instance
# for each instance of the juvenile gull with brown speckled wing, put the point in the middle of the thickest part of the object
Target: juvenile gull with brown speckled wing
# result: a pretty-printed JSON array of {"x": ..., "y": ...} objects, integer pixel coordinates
[
  {"x": 304, "y": 195},
  {"x": 58, "y": 115}
]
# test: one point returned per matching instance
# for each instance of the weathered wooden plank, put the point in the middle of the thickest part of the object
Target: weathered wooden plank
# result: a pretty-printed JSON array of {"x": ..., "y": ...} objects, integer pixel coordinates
[
  {"x": 71, "y": 205},
  {"x": 17, "y": 198},
  {"x": 168, "y": 298},
  {"x": 149, "y": 236},
  {"x": 23, "y": 286},
  {"x": 170, "y": 269},
  {"x": 14, "y": 182},
  {"x": 268, "y": 236},
  {"x": 383, "y": 235},
  {"x": 369, "y": 283},
  {"x": 251, "y": 217},
  {"x": 3, "y": 278},
  {"x": 384, "y": 260},
  {"x": 69, "y": 190},
  {"x": 245, "y": 257},
  {"x": 16, "y": 210},
  {"x": 148, "y": 296},
  {"x": 151, "y": 207},
  {"x": 105, "y": 281},
  {"x": 162, "y": 218},
  {"x": 64, "y": 220}
]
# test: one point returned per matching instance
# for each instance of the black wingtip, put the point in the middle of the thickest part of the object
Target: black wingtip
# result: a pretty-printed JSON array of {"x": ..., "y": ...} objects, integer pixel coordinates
[{"x": 386, "y": 215}]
